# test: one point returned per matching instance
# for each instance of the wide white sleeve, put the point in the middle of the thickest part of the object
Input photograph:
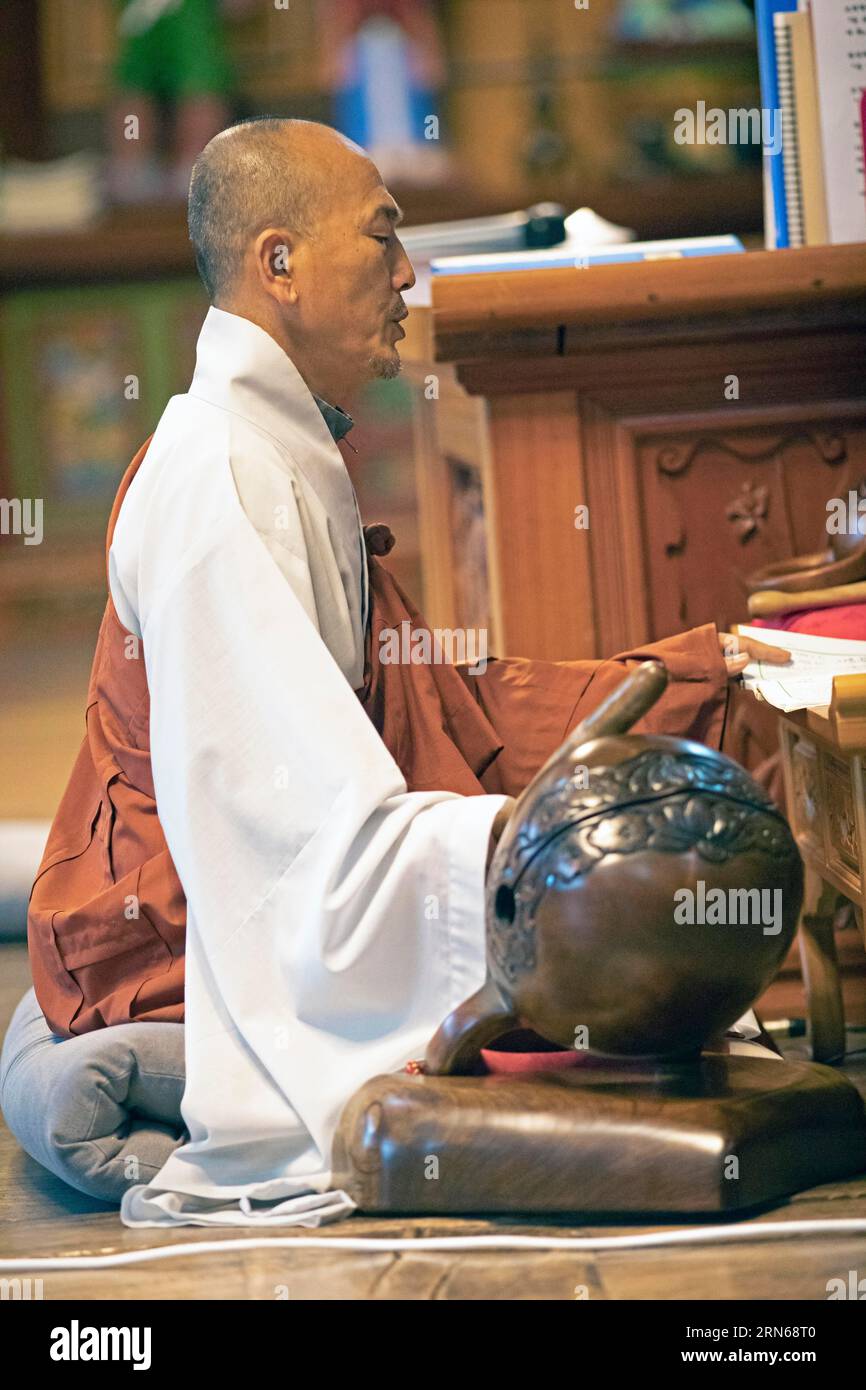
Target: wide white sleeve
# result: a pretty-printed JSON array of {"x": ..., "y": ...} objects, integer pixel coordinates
[{"x": 336, "y": 917}]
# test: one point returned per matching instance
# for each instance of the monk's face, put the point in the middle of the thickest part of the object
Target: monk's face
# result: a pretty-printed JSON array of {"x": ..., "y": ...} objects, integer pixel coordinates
[{"x": 350, "y": 277}]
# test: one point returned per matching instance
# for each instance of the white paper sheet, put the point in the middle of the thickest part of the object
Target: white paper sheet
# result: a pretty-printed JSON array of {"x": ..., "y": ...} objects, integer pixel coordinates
[{"x": 807, "y": 681}]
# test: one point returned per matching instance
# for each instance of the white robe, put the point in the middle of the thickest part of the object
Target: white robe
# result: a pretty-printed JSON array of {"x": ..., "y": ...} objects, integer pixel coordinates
[{"x": 334, "y": 918}]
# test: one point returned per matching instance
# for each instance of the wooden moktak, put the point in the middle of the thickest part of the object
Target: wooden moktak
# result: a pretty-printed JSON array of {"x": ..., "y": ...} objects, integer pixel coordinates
[{"x": 585, "y": 950}]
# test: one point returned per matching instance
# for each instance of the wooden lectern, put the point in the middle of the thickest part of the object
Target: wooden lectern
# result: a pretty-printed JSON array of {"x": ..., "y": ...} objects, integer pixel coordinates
[{"x": 701, "y": 410}]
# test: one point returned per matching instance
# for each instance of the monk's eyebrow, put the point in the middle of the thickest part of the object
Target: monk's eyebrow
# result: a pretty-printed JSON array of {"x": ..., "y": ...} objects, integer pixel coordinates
[{"x": 393, "y": 213}]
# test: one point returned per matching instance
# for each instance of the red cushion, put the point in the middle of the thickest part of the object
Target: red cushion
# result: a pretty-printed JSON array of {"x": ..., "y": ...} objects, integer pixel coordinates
[
  {"x": 845, "y": 620},
  {"x": 522, "y": 1050},
  {"x": 502, "y": 1062}
]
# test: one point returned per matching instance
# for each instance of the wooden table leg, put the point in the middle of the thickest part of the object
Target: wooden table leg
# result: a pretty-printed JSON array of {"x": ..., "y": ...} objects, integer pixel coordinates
[{"x": 821, "y": 969}]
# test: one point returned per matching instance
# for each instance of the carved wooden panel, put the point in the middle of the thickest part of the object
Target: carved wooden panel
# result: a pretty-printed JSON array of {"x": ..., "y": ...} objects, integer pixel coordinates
[
  {"x": 680, "y": 510},
  {"x": 717, "y": 503}
]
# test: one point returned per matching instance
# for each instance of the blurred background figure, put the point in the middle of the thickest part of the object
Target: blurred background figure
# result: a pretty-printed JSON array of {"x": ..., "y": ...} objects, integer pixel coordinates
[
  {"x": 384, "y": 63},
  {"x": 171, "y": 54}
]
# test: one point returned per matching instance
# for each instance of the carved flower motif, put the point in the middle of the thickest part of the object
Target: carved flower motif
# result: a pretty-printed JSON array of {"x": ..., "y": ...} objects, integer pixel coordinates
[{"x": 748, "y": 509}]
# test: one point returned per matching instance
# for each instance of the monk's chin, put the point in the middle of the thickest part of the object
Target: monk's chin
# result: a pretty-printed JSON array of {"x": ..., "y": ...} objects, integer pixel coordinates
[{"x": 385, "y": 365}]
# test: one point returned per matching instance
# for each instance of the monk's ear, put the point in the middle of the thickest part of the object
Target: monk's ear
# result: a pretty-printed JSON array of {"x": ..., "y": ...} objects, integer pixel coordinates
[{"x": 273, "y": 252}]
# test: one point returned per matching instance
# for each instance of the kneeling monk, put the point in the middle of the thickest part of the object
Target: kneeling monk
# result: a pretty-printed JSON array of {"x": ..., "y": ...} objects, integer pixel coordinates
[{"x": 259, "y": 797}]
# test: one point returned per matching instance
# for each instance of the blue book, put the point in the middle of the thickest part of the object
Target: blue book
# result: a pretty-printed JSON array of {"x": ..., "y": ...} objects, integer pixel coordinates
[
  {"x": 582, "y": 257},
  {"x": 774, "y": 168}
]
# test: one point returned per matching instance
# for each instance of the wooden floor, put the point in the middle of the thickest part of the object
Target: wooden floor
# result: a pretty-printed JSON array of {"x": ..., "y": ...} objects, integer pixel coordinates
[{"x": 39, "y": 1215}]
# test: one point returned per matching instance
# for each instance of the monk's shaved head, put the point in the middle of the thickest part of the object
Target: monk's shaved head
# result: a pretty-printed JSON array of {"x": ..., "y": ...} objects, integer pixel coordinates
[
  {"x": 294, "y": 230},
  {"x": 257, "y": 174}
]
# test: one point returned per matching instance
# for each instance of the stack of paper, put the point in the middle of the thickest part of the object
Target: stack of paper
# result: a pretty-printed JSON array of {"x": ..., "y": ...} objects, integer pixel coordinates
[{"x": 806, "y": 682}]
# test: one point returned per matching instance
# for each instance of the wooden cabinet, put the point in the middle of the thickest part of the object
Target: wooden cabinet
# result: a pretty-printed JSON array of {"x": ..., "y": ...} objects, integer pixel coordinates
[{"x": 701, "y": 411}]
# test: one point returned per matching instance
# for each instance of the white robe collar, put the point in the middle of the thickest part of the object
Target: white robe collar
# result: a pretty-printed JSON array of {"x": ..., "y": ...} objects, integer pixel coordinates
[{"x": 241, "y": 368}]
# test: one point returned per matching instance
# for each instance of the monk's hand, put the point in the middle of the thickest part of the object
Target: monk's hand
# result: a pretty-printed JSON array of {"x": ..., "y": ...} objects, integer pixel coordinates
[{"x": 739, "y": 651}]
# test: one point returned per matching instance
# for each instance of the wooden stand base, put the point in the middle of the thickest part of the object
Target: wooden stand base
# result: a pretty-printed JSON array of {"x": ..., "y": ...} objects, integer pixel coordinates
[{"x": 720, "y": 1134}]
